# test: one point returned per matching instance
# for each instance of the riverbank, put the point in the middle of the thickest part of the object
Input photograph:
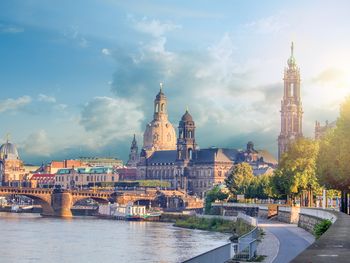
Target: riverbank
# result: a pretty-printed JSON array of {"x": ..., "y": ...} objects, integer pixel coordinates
[{"x": 216, "y": 224}]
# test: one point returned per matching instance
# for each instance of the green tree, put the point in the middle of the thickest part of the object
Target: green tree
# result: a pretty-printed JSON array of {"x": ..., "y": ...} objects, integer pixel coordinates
[
  {"x": 241, "y": 178},
  {"x": 264, "y": 189},
  {"x": 296, "y": 172},
  {"x": 334, "y": 158},
  {"x": 216, "y": 193}
]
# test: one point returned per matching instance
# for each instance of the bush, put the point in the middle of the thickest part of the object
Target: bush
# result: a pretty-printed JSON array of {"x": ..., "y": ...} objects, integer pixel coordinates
[
  {"x": 322, "y": 227},
  {"x": 214, "y": 224}
]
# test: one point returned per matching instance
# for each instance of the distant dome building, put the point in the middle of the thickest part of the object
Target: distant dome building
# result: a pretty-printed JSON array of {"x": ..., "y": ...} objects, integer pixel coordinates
[
  {"x": 8, "y": 151},
  {"x": 12, "y": 170},
  {"x": 160, "y": 134}
]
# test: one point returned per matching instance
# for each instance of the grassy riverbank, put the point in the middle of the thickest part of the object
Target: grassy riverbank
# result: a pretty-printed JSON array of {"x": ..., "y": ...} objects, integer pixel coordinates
[{"x": 214, "y": 224}]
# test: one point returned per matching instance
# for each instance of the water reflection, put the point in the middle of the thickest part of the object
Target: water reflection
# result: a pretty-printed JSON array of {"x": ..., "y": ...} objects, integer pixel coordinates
[{"x": 31, "y": 238}]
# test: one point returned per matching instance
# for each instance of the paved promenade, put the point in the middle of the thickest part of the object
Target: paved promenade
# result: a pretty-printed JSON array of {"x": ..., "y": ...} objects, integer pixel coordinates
[
  {"x": 333, "y": 246},
  {"x": 282, "y": 241}
]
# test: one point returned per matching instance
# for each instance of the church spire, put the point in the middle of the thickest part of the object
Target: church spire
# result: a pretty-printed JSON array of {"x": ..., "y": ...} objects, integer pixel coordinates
[
  {"x": 291, "y": 61},
  {"x": 134, "y": 142},
  {"x": 134, "y": 153}
]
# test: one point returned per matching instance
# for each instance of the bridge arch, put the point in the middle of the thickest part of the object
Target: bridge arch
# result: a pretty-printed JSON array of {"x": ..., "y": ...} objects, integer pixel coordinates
[
  {"x": 40, "y": 198},
  {"x": 100, "y": 200}
]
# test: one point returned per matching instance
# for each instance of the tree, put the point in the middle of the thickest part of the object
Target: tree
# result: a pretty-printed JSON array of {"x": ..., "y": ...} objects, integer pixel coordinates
[
  {"x": 334, "y": 158},
  {"x": 240, "y": 179},
  {"x": 296, "y": 172},
  {"x": 213, "y": 195}
]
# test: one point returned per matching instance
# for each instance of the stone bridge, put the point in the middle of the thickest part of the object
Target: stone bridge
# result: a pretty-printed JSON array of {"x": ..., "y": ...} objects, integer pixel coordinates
[{"x": 59, "y": 202}]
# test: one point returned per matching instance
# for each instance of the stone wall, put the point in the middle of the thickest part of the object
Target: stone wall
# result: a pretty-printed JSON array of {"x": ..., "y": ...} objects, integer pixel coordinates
[
  {"x": 263, "y": 213},
  {"x": 288, "y": 215},
  {"x": 308, "y": 222},
  {"x": 283, "y": 216},
  {"x": 232, "y": 211}
]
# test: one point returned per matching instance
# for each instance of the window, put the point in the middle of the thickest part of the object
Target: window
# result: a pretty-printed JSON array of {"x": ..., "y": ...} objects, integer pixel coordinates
[
  {"x": 157, "y": 108},
  {"x": 190, "y": 154}
]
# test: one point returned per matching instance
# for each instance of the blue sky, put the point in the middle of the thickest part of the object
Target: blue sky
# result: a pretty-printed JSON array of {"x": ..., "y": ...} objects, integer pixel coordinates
[{"x": 78, "y": 78}]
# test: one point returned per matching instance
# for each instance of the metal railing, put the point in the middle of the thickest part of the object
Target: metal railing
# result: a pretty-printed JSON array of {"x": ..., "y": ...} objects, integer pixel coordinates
[
  {"x": 218, "y": 255},
  {"x": 247, "y": 245}
]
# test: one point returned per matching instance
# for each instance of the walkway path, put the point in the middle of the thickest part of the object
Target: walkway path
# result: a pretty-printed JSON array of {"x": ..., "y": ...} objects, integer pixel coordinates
[{"x": 292, "y": 241}]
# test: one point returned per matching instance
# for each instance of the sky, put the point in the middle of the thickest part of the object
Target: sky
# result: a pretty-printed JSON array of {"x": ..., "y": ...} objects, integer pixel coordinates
[{"x": 78, "y": 78}]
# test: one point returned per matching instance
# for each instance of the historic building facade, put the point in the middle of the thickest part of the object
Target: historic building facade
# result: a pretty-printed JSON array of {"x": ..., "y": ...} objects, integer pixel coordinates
[
  {"x": 12, "y": 172},
  {"x": 182, "y": 163},
  {"x": 291, "y": 106},
  {"x": 321, "y": 130},
  {"x": 86, "y": 177}
]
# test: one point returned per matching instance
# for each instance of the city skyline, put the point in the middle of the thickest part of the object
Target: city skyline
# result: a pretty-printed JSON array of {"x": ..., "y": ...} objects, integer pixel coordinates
[{"x": 87, "y": 85}]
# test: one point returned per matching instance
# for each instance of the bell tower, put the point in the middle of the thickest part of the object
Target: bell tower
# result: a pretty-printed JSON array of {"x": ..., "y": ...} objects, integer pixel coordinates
[
  {"x": 134, "y": 154},
  {"x": 160, "y": 106},
  {"x": 186, "y": 143},
  {"x": 291, "y": 106}
]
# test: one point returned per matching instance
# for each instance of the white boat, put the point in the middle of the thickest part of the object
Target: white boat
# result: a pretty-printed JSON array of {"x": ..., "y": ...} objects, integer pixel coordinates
[
  {"x": 15, "y": 208},
  {"x": 26, "y": 207}
]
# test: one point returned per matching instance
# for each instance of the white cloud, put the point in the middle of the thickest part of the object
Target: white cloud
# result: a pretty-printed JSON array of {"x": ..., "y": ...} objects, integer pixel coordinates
[
  {"x": 74, "y": 35},
  {"x": 154, "y": 27},
  {"x": 266, "y": 25},
  {"x": 38, "y": 144},
  {"x": 10, "y": 29},
  {"x": 14, "y": 104},
  {"x": 46, "y": 98},
  {"x": 61, "y": 106},
  {"x": 106, "y": 51},
  {"x": 106, "y": 119}
]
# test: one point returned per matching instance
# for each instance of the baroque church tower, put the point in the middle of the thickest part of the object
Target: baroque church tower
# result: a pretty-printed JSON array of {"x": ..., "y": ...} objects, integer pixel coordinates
[
  {"x": 291, "y": 106},
  {"x": 159, "y": 134},
  {"x": 134, "y": 154},
  {"x": 186, "y": 144}
]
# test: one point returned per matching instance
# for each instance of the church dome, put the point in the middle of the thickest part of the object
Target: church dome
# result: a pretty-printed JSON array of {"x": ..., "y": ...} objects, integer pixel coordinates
[
  {"x": 187, "y": 117},
  {"x": 159, "y": 135},
  {"x": 8, "y": 151}
]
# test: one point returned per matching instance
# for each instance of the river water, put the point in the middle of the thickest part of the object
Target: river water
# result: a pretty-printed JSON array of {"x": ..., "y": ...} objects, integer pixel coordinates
[{"x": 32, "y": 238}]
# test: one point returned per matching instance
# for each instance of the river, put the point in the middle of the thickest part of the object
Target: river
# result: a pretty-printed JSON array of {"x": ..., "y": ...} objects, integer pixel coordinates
[{"x": 32, "y": 238}]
